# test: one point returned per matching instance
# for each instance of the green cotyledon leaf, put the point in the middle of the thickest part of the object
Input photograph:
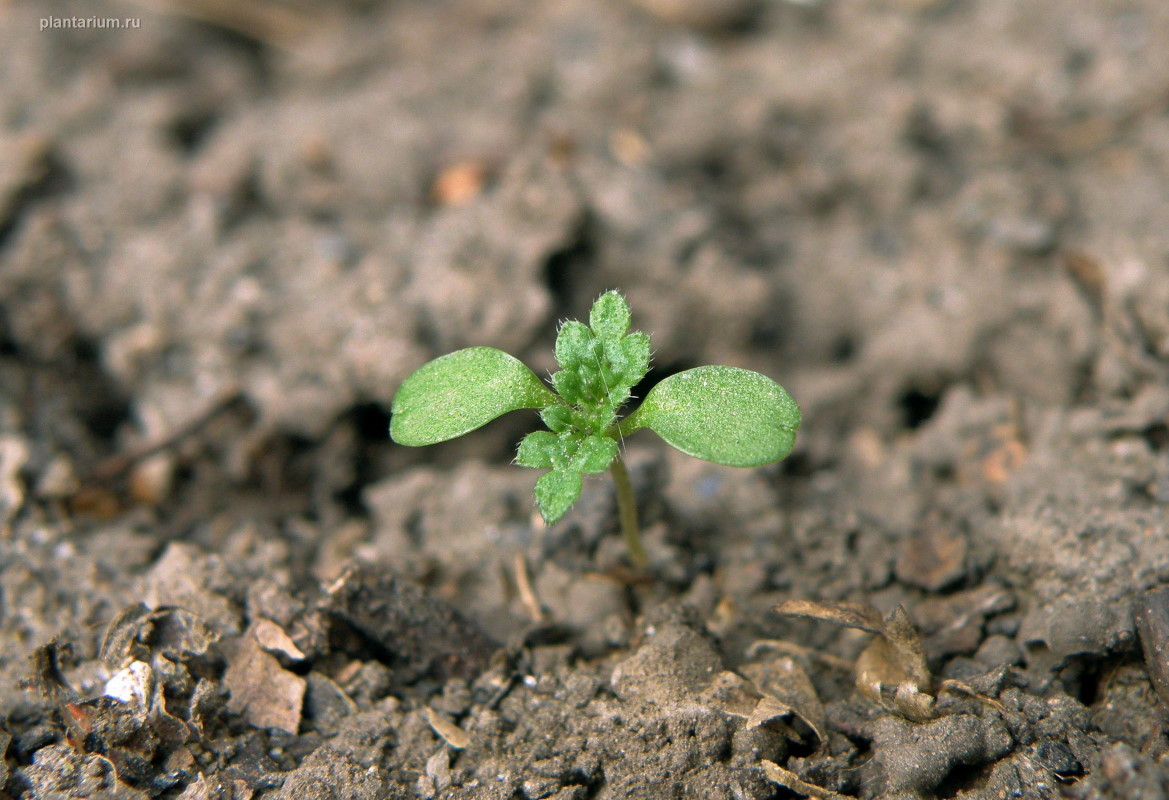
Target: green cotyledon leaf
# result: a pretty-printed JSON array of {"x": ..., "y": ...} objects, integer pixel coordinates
[
  {"x": 726, "y": 415},
  {"x": 461, "y": 391}
]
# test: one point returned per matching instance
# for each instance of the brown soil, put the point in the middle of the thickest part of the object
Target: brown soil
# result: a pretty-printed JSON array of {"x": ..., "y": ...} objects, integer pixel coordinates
[{"x": 226, "y": 237}]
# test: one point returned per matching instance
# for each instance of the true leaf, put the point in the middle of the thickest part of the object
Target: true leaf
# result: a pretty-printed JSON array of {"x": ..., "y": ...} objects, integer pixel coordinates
[
  {"x": 726, "y": 415},
  {"x": 557, "y": 418},
  {"x": 556, "y": 491},
  {"x": 568, "y": 385},
  {"x": 573, "y": 344},
  {"x": 594, "y": 454},
  {"x": 461, "y": 391},
  {"x": 538, "y": 449},
  {"x": 636, "y": 349},
  {"x": 610, "y": 316}
]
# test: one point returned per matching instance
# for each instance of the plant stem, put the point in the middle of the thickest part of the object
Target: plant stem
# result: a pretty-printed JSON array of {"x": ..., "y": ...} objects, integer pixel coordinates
[{"x": 627, "y": 510}]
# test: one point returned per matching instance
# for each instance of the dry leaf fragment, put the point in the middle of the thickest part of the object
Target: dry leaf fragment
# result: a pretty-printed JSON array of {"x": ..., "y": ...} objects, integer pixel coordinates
[
  {"x": 794, "y": 783},
  {"x": 892, "y": 670},
  {"x": 805, "y": 654},
  {"x": 788, "y": 694},
  {"x": 451, "y": 733},
  {"x": 850, "y": 615},
  {"x": 896, "y": 656},
  {"x": 732, "y": 694},
  {"x": 772, "y": 713},
  {"x": 960, "y": 687}
]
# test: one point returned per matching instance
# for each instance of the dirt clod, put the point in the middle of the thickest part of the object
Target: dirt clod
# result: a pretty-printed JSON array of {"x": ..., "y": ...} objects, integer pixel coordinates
[{"x": 915, "y": 759}]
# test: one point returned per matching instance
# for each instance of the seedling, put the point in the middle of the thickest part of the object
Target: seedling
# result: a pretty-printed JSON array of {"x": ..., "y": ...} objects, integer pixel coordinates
[{"x": 726, "y": 415}]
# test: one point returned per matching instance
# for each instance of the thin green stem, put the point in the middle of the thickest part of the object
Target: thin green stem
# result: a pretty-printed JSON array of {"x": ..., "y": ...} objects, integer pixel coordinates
[{"x": 627, "y": 510}]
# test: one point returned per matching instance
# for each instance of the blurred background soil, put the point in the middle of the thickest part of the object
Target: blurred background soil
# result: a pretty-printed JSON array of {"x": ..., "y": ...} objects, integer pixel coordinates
[{"x": 228, "y": 232}]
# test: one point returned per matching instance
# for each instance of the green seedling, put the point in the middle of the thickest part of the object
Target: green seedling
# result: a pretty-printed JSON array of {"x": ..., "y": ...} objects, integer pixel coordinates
[{"x": 725, "y": 415}]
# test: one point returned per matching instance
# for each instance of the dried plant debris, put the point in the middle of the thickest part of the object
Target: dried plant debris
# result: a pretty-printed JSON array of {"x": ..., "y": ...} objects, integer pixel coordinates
[
  {"x": 892, "y": 670},
  {"x": 788, "y": 699},
  {"x": 794, "y": 783}
]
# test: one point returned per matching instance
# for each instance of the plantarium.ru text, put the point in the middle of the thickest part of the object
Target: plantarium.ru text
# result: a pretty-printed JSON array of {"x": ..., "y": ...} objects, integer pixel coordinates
[{"x": 726, "y": 415}]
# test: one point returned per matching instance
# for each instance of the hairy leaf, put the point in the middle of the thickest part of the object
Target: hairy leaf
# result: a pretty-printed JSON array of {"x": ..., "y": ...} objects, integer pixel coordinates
[
  {"x": 459, "y": 392},
  {"x": 594, "y": 454},
  {"x": 573, "y": 344},
  {"x": 556, "y": 491},
  {"x": 569, "y": 386},
  {"x": 726, "y": 415},
  {"x": 610, "y": 315},
  {"x": 635, "y": 349},
  {"x": 538, "y": 449},
  {"x": 558, "y": 418}
]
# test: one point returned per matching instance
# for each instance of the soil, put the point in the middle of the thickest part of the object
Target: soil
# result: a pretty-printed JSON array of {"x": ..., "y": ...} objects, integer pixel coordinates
[{"x": 227, "y": 235}]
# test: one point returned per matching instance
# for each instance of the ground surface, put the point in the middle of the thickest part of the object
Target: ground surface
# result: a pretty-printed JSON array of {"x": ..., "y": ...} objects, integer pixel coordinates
[{"x": 940, "y": 224}]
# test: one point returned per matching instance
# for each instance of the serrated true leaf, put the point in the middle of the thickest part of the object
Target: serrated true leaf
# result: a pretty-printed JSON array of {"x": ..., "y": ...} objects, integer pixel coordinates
[
  {"x": 558, "y": 418},
  {"x": 573, "y": 344},
  {"x": 556, "y": 491},
  {"x": 610, "y": 316},
  {"x": 636, "y": 351},
  {"x": 726, "y": 415},
  {"x": 568, "y": 385},
  {"x": 538, "y": 449},
  {"x": 461, "y": 391},
  {"x": 594, "y": 454}
]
